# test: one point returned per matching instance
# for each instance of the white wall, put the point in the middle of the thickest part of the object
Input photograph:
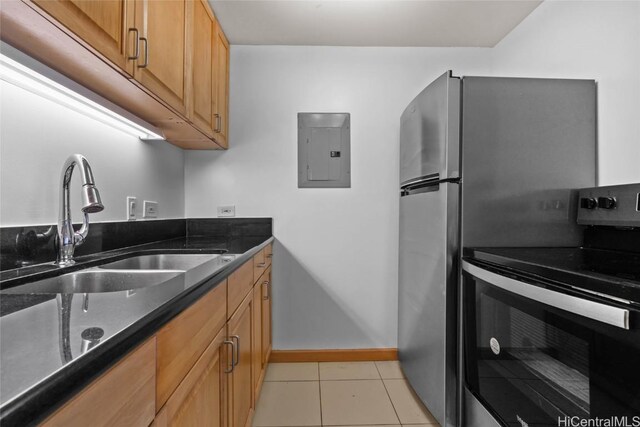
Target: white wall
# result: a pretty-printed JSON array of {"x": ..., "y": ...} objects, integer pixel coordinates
[
  {"x": 37, "y": 135},
  {"x": 593, "y": 40},
  {"x": 335, "y": 268}
]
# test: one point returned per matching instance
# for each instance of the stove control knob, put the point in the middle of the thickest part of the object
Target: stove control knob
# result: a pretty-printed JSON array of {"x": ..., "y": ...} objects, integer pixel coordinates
[
  {"x": 588, "y": 203},
  {"x": 606, "y": 202}
]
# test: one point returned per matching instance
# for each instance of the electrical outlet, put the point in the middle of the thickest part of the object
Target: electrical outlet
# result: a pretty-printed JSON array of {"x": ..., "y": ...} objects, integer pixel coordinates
[
  {"x": 150, "y": 209},
  {"x": 132, "y": 204},
  {"x": 226, "y": 211}
]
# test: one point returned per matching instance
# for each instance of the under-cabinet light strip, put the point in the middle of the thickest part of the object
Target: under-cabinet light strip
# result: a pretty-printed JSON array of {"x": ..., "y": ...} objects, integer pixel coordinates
[{"x": 22, "y": 76}]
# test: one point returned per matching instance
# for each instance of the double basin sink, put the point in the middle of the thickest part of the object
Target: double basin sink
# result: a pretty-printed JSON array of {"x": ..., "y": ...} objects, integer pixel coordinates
[{"x": 126, "y": 274}]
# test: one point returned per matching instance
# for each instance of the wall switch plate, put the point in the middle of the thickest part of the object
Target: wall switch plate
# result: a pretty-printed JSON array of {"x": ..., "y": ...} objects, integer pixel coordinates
[
  {"x": 132, "y": 204},
  {"x": 150, "y": 209},
  {"x": 226, "y": 211}
]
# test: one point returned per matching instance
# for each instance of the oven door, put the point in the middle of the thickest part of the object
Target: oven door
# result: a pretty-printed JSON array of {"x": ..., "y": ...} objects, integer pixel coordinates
[{"x": 536, "y": 354}]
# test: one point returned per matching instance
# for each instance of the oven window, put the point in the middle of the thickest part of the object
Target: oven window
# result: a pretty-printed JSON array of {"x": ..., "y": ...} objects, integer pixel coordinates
[{"x": 530, "y": 363}]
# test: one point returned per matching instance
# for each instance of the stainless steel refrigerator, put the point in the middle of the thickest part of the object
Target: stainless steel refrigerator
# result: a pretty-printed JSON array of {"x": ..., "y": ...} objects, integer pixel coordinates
[{"x": 483, "y": 162}]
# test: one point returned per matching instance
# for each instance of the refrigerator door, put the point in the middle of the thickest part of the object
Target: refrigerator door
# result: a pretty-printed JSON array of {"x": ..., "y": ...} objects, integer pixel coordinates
[
  {"x": 429, "y": 133},
  {"x": 427, "y": 290}
]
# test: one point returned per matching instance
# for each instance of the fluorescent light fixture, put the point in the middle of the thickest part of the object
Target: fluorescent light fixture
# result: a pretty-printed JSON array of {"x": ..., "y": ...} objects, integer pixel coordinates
[{"x": 43, "y": 81}]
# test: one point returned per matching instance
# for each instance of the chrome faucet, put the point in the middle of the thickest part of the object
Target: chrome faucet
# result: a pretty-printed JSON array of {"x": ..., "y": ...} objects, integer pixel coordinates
[{"x": 68, "y": 239}]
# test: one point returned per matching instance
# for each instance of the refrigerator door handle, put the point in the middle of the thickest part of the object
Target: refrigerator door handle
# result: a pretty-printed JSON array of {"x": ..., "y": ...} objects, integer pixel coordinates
[
  {"x": 421, "y": 181},
  {"x": 590, "y": 309},
  {"x": 424, "y": 184}
]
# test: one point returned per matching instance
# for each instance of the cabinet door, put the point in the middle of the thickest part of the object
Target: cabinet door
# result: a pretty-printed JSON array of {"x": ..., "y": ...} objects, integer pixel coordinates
[
  {"x": 240, "y": 385},
  {"x": 200, "y": 398},
  {"x": 221, "y": 108},
  {"x": 162, "y": 63},
  {"x": 104, "y": 25},
  {"x": 202, "y": 64},
  {"x": 256, "y": 351},
  {"x": 182, "y": 341},
  {"x": 266, "y": 315}
]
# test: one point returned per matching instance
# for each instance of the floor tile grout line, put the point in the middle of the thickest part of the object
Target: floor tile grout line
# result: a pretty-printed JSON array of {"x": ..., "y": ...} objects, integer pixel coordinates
[
  {"x": 378, "y": 369},
  {"x": 391, "y": 400}
]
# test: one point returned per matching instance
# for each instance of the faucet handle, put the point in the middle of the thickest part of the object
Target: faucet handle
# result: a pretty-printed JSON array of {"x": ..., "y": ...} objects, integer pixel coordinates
[{"x": 80, "y": 235}]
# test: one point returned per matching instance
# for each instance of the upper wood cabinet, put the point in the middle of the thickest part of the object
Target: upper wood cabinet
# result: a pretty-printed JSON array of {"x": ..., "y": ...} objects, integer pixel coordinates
[
  {"x": 203, "y": 34},
  {"x": 107, "y": 26},
  {"x": 161, "y": 64},
  {"x": 221, "y": 81},
  {"x": 165, "y": 61}
]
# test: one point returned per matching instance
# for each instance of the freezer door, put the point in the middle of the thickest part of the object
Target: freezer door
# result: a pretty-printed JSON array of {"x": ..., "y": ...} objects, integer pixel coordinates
[
  {"x": 429, "y": 132},
  {"x": 428, "y": 271}
]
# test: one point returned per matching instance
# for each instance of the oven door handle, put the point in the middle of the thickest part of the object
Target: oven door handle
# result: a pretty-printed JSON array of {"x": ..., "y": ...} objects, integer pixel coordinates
[{"x": 604, "y": 313}]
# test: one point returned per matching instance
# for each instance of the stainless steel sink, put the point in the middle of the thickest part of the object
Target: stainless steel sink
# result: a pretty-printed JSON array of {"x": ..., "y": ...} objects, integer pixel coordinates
[
  {"x": 95, "y": 280},
  {"x": 182, "y": 262}
]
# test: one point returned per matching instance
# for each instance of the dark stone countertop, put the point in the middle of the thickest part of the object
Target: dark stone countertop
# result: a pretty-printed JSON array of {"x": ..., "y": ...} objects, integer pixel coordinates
[{"x": 37, "y": 375}]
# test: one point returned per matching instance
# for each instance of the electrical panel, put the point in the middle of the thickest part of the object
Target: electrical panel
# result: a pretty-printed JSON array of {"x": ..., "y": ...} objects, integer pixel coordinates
[{"x": 324, "y": 150}]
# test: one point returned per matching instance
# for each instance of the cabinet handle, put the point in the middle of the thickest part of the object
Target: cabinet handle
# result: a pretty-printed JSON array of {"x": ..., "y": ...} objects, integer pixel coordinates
[
  {"x": 146, "y": 52},
  {"x": 218, "y": 123},
  {"x": 269, "y": 256},
  {"x": 233, "y": 346},
  {"x": 261, "y": 265},
  {"x": 236, "y": 338},
  {"x": 136, "y": 54},
  {"x": 265, "y": 284}
]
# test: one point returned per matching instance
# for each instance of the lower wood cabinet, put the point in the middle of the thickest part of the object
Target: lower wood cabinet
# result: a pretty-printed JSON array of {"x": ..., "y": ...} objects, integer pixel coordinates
[
  {"x": 200, "y": 399},
  {"x": 203, "y": 368},
  {"x": 123, "y": 396},
  {"x": 257, "y": 365},
  {"x": 240, "y": 384},
  {"x": 185, "y": 338},
  {"x": 266, "y": 317}
]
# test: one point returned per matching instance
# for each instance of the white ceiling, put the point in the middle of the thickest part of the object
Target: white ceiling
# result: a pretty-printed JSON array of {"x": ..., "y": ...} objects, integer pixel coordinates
[{"x": 446, "y": 23}]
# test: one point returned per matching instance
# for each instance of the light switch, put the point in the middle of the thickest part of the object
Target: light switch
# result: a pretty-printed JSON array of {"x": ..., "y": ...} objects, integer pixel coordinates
[{"x": 131, "y": 208}]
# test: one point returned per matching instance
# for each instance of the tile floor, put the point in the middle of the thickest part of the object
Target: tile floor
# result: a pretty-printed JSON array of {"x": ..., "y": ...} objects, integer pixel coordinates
[{"x": 339, "y": 394}]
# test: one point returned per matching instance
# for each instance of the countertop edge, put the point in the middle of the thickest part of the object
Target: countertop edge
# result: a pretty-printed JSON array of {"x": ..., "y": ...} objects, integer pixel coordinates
[{"x": 47, "y": 396}]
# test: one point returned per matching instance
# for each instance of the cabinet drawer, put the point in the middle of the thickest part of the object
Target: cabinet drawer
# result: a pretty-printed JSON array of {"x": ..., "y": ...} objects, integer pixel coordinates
[
  {"x": 240, "y": 283},
  {"x": 123, "y": 396},
  {"x": 259, "y": 265},
  {"x": 183, "y": 340}
]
